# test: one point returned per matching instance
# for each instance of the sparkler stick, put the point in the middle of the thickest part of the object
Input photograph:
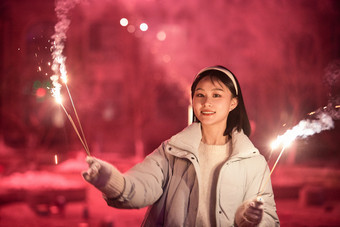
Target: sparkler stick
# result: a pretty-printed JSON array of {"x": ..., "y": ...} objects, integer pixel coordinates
[
  {"x": 261, "y": 191},
  {"x": 76, "y": 114},
  {"x": 75, "y": 128},
  {"x": 56, "y": 94},
  {"x": 264, "y": 171}
]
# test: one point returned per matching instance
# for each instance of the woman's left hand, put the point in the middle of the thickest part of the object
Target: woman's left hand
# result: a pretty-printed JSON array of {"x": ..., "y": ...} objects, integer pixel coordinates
[{"x": 249, "y": 214}]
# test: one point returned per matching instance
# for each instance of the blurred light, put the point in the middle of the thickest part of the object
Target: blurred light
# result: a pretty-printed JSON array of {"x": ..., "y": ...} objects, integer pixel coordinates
[
  {"x": 252, "y": 125},
  {"x": 41, "y": 92},
  {"x": 131, "y": 29},
  {"x": 108, "y": 113},
  {"x": 190, "y": 114},
  {"x": 166, "y": 58},
  {"x": 143, "y": 27},
  {"x": 37, "y": 84},
  {"x": 161, "y": 36},
  {"x": 56, "y": 159},
  {"x": 58, "y": 119},
  {"x": 124, "y": 22}
]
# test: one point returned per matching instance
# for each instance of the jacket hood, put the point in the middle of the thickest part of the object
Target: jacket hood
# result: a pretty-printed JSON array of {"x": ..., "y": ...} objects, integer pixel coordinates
[{"x": 188, "y": 140}]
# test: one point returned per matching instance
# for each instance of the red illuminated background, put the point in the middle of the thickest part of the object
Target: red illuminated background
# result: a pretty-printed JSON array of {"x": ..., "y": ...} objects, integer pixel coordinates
[{"x": 131, "y": 90}]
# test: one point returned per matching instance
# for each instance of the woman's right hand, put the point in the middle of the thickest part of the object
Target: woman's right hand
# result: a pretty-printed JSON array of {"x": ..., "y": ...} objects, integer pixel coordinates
[
  {"x": 98, "y": 173},
  {"x": 104, "y": 176}
]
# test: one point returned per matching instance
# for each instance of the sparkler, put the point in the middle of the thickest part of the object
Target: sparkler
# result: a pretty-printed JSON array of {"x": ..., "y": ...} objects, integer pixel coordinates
[
  {"x": 59, "y": 67},
  {"x": 323, "y": 121}
]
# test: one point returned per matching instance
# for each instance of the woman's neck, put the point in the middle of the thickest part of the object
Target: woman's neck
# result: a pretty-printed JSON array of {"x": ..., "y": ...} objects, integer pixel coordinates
[{"x": 213, "y": 136}]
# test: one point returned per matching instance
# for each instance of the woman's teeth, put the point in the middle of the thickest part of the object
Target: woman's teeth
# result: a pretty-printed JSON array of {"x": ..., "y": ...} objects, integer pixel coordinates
[{"x": 206, "y": 112}]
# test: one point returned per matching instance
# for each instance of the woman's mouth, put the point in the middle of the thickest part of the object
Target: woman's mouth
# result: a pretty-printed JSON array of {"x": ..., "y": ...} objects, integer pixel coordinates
[{"x": 207, "y": 112}]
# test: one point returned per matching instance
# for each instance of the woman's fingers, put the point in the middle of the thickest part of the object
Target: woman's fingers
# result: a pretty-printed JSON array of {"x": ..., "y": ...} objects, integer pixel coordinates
[
  {"x": 92, "y": 172},
  {"x": 254, "y": 212}
]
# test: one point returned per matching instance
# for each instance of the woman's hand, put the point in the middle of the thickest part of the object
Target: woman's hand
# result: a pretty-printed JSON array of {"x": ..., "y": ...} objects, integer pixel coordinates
[
  {"x": 249, "y": 214},
  {"x": 105, "y": 177},
  {"x": 98, "y": 173}
]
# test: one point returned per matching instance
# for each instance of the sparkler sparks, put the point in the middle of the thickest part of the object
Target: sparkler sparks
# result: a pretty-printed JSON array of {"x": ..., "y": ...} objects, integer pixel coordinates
[
  {"x": 304, "y": 129},
  {"x": 323, "y": 121}
]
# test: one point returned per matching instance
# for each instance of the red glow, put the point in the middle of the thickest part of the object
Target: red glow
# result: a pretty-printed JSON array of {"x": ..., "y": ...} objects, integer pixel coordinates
[
  {"x": 131, "y": 88},
  {"x": 41, "y": 92}
]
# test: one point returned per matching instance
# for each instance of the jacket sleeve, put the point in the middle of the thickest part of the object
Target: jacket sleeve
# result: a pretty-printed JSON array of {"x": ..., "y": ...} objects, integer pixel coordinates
[
  {"x": 259, "y": 172},
  {"x": 144, "y": 182}
]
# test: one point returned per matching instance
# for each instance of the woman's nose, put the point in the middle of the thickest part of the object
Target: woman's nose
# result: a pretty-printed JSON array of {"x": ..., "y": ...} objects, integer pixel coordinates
[{"x": 207, "y": 102}]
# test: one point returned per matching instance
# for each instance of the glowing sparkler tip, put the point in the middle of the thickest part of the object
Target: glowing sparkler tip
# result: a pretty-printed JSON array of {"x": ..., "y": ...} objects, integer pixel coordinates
[
  {"x": 59, "y": 100},
  {"x": 283, "y": 141},
  {"x": 275, "y": 144}
]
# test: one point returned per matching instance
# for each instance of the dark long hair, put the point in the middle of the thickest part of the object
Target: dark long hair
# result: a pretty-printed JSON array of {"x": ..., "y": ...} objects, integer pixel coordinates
[{"x": 238, "y": 117}]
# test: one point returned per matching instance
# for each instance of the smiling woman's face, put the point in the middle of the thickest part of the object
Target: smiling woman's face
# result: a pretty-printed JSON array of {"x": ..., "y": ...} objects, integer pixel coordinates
[{"x": 212, "y": 102}]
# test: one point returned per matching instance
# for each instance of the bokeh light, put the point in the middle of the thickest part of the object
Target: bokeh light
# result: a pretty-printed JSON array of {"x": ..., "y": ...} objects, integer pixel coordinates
[
  {"x": 124, "y": 22},
  {"x": 41, "y": 92},
  {"x": 143, "y": 27},
  {"x": 131, "y": 28},
  {"x": 161, "y": 35}
]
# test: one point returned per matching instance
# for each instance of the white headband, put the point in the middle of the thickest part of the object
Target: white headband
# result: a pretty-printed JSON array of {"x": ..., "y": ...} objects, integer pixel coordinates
[{"x": 225, "y": 71}]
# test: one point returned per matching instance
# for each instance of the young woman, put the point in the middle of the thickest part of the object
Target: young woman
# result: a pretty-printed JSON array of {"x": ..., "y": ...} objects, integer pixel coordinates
[{"x": 208, "y": 174}]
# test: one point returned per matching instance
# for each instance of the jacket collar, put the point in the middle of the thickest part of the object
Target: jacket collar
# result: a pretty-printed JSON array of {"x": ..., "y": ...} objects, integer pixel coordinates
[
  {"x": 188, "y": 140},
  {"x": 242, "y": 146}
]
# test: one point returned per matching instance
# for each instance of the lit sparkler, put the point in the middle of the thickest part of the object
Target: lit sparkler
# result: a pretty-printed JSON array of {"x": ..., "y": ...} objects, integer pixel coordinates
[
  {"x": 59, "y": 67},
  {"x": 323, "y": 121}
]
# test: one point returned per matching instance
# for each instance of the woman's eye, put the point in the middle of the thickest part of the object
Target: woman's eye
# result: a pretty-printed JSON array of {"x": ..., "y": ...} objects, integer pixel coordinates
[
  {"x": 199, "y": 95},
  {"x": 216, "y": 95}
]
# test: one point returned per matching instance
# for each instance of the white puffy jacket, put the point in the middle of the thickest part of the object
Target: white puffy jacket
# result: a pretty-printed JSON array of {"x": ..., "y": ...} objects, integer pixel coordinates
[{"x": 167, "y": 182}]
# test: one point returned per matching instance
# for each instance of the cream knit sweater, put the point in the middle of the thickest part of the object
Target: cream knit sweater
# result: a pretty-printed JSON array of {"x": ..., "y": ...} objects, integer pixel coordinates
[{"x": 211, "y": 159}]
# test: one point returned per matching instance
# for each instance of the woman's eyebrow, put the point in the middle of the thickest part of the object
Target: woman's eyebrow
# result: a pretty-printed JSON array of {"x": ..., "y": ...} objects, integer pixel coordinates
[
  {"x": 214, "y": 89},
  {"x": 217, "y": 89}
]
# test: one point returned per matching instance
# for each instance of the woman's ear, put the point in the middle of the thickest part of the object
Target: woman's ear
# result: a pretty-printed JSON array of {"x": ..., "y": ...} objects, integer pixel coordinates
[{"x": 233, "y": 104}]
